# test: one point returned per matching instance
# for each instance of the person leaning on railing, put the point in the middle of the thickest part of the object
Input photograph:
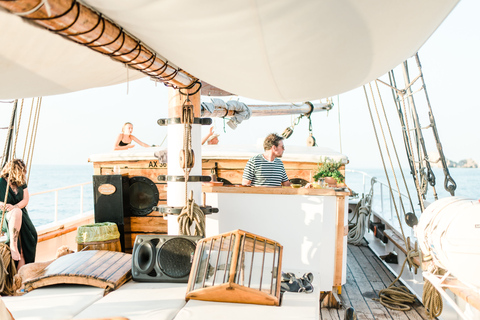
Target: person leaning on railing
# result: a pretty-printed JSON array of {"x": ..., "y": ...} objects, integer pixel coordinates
[{"x": 22, "y": 236}]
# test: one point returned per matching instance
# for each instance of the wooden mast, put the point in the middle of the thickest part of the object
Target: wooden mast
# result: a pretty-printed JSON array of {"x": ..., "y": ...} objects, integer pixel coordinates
[
  {"x": 83, "y": 25},
  {"x": 176, "y": 138}
]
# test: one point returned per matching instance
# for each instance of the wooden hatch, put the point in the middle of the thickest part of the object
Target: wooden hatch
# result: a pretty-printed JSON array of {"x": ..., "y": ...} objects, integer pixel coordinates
[{"x": 98, "y": 268}]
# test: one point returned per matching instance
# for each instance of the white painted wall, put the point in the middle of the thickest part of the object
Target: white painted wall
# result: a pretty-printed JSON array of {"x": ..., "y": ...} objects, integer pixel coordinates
[{"x": 304, "y": 225}]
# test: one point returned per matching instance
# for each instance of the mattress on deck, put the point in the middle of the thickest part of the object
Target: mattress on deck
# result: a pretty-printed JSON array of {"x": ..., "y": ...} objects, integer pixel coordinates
[
  {"x": 54, "y": 302},
  {"x": 139, "y": 301}
]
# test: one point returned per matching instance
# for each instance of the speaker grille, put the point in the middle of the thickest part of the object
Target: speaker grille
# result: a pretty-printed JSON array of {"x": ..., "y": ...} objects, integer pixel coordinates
[
  {"x": 175, "y": 257},
  {"x": 143, "y": 194}
]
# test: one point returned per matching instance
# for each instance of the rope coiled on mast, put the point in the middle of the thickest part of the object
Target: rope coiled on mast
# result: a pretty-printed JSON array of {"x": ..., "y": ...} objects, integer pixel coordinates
[{"x": 362, "y": 213}]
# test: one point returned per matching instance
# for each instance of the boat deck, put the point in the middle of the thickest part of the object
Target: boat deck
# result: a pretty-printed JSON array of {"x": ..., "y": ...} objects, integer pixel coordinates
[{"x": 366, "y": 276}]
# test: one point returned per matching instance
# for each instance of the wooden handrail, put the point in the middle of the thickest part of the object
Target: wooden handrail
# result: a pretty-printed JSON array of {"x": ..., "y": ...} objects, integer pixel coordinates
[
  {"x": 56, "y": 233},
  {"x": 469, "y": 295}
]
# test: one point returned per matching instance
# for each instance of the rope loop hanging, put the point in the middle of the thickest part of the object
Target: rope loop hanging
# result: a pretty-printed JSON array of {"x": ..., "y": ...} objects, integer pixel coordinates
[
  {"x": 432, "y": 300},
  {"x": 190, "y": 214}
]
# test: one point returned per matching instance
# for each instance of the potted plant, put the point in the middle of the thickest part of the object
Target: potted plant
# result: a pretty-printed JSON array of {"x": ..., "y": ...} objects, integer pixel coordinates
[{"x": 329, "y": 169}]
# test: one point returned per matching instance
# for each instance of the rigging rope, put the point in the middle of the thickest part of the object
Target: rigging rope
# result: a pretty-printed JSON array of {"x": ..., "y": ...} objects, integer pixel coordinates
[
  {"x": 396, "y": 298},
  {"x": 28, "y": 129},
  {"x": 392, "y": 297},
  {"x": 383, "y": 160},
  {"x": 33, "y": 138},
  {"x": 388, "y": 152},
  {"x": 339, "y": 124},
  {"x": 450, "y": 188},
  {"x": 4, "y": 211},
  {"x": 9, "y": 135},
  {"x": 423, "y": 162},
  {"x": 191, "y": 212}
]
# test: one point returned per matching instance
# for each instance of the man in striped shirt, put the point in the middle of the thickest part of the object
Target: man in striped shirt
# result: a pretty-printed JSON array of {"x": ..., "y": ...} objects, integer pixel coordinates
[{"x": 267, "y": 169}]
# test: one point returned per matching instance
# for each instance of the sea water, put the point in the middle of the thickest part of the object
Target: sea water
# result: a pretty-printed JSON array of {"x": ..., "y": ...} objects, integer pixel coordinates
[
  {"x": 467, "y": 182},
  {"x": 41, "y": 208}
]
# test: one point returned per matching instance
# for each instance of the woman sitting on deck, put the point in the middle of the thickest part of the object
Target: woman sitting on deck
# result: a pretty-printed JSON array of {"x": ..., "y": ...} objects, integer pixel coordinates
[
  {"x": 22, "y": 235},
  {"x": 124, "y": 139}
]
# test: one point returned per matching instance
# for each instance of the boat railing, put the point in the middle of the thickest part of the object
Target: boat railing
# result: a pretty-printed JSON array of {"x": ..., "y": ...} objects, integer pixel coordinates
[
  {"x": 383, "y": 200},
  {"x": 56, "y": 191}
]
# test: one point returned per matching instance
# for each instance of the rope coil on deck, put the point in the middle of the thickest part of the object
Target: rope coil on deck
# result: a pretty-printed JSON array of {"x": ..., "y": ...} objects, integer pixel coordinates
[{"x": 398, "y": 298}]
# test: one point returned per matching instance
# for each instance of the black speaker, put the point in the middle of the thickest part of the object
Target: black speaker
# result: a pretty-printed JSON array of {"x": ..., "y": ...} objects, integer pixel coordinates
[
  {"x": 143, "y": 196},
  {"x": 111, "y": 201},
  {"x": 163, "y": 258}
]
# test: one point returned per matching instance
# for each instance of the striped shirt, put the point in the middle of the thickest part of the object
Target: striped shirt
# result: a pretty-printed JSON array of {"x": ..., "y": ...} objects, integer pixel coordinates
[{"x": 265, "y": 173}]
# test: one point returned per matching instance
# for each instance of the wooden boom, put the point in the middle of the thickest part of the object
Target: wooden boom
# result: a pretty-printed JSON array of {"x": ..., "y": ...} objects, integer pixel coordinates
[
  {"x": 272, "y": 110},
  {"x": 81, "y": 24}
]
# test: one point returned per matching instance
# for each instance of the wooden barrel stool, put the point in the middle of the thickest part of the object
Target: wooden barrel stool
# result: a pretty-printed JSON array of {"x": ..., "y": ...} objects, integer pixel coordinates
[{"x": 98, "y": 236}]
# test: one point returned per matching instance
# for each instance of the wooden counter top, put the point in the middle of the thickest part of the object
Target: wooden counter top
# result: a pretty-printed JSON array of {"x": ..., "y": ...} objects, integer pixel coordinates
[{"x": 279, "y": 190}]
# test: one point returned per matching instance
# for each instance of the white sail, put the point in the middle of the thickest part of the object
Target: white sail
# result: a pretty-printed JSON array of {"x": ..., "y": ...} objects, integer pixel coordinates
[{"x": 281, "y": 50}]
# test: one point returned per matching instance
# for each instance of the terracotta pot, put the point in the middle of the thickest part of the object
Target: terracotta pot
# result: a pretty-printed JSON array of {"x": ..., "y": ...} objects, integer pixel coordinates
[{"x": 331, "y": 181}]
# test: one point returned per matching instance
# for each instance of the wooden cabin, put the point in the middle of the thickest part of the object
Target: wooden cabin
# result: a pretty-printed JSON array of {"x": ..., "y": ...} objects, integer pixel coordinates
[{"x": 226, "y": 163}]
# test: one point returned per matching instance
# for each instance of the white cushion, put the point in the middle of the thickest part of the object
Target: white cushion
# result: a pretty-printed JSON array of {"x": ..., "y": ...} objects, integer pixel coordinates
[
  {"x": 54, "y": 302},
  {"x": 294, "y": 306},
  {"x": 139, "y": 300}
]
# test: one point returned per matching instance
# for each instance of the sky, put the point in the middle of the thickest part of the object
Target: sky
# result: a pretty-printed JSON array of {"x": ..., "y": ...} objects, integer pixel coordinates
[{"x": 74, "y": 126}]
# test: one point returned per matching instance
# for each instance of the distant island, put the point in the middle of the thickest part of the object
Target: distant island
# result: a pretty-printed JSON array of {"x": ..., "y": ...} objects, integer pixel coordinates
[{"x": 466, "y": 163}]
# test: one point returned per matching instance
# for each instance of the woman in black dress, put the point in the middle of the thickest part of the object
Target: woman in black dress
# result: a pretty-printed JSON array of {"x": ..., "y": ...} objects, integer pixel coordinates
[{"x": 22, "y": 236}]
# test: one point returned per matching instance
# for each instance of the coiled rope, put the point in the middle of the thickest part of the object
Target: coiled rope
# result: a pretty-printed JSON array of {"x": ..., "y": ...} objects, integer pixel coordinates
[
  {"x": 191, "y": 213},
  {"x": 7, "y": 271},
  {"x": 398, "y": 298},
  {"x": 362, "y": 215},
  {"x": 432, "y": 300}
]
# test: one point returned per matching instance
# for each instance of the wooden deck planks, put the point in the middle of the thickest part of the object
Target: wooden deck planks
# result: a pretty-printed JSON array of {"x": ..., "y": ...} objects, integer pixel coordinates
[
  {"x": 366, "y": 276},
  {"x": 418, "y": 311}
]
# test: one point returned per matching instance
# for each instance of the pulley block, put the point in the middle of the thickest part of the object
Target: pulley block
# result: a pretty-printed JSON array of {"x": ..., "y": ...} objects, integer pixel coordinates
[
  {"x": 287, "y": 132},
  {"x": 411, "y": 219},
  {"x": 311, "y": 141},
  {"x": 187, "y": 156}
]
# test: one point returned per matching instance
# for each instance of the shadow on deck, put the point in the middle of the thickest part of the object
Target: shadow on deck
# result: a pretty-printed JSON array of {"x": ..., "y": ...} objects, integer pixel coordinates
[{"x": 366, "y": 276}]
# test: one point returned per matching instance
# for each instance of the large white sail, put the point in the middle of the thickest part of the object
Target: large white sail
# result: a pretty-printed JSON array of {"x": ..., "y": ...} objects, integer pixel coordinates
[{"x": 282, "y": 50}]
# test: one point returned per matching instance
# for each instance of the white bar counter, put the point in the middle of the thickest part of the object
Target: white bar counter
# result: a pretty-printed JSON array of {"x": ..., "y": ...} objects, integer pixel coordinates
[{"x": 311, "y": 224}]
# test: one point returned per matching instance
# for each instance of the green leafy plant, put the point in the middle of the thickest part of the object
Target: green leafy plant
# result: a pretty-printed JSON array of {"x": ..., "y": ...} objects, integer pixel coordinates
[{"x": 329, "y": 168}]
